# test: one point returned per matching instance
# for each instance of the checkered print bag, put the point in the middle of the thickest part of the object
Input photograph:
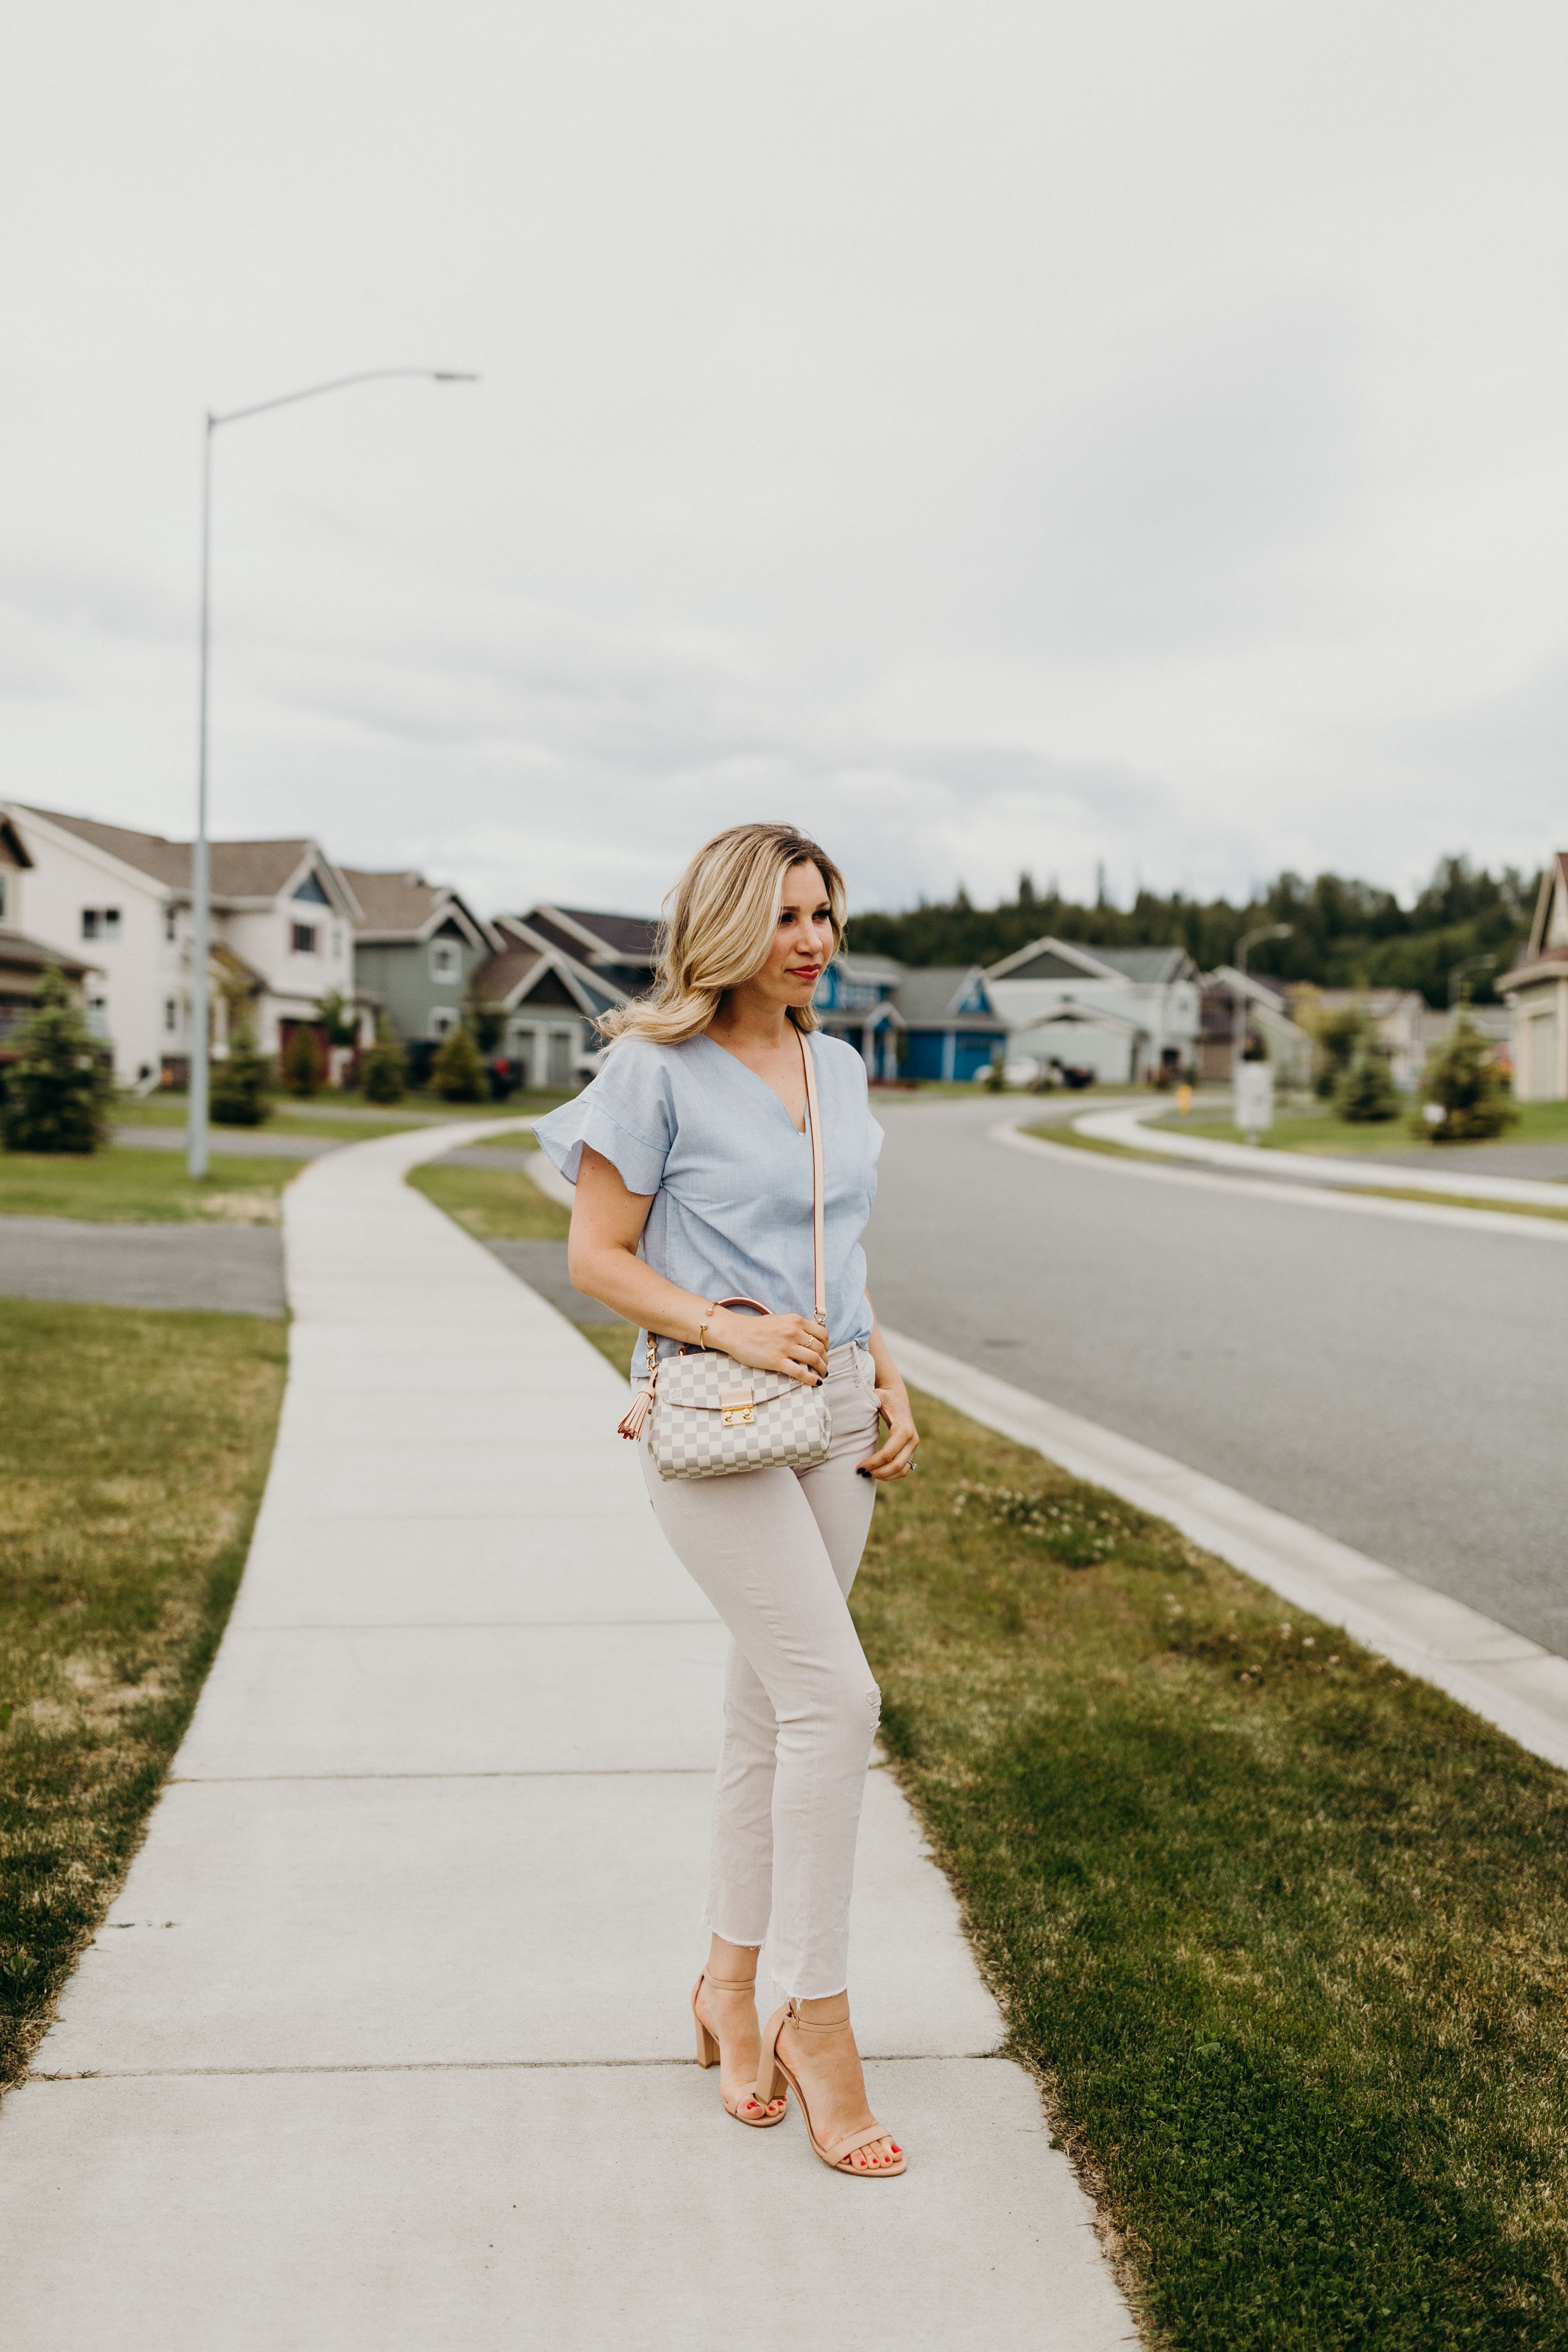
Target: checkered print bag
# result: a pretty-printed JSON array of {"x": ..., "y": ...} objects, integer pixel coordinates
[{"x": 710, "y": 1416}]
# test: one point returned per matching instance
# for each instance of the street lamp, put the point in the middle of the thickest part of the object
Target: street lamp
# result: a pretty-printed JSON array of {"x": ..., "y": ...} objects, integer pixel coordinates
[
  {"x": 201, "y": 889},
  {"x": 1456, "y": 972},
  {"x": 1250, "y": 939}
]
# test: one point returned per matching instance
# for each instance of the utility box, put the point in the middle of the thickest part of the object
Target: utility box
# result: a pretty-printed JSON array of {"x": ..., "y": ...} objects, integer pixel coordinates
[{"x": 1254, "y": 1097}]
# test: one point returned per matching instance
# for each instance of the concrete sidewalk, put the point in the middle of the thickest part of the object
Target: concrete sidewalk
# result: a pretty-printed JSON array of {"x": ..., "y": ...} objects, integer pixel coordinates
[{"x": 385, "y": 2044}]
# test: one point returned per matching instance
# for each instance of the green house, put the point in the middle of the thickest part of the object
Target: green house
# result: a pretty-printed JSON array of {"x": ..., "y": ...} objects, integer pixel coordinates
[{"x": 417, "y": 945}]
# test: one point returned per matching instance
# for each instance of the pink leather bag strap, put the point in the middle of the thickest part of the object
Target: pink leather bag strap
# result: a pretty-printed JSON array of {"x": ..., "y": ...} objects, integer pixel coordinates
[{"x": 814, "y": 1119}]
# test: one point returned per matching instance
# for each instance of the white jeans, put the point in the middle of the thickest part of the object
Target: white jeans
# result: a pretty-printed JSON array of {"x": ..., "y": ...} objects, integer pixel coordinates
[{"x": 775, "y": 1551}]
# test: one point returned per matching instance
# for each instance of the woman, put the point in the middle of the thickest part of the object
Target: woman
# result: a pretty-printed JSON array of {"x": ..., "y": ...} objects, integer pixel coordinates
[{"x": 692, "y": 1143}]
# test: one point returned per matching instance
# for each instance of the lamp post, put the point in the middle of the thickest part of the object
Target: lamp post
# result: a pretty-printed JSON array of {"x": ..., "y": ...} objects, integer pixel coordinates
[
  {"x": 201, "y": 868},
  {"x": 1250, "y": 939}
]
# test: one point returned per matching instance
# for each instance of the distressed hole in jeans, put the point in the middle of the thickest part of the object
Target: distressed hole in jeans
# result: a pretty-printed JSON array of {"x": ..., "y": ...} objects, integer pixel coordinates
[{"x": 874, "y": 1706}]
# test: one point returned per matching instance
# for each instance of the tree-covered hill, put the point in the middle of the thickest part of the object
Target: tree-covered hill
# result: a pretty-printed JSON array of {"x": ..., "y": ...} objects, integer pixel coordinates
[{"x": 1345, "y": 934}]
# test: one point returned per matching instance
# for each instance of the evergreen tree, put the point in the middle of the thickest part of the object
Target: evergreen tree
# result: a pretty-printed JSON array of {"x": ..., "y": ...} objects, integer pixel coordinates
[
  {"x": 59, "y": 1092},
  {"x": 302, "y": 1061},
  {"x": 1464, "y": 1084},
  {"x": 457, "y": 1072},
  {"x": 237, "y": 1090},
  {"x": 1367, "y": 1093},
  {"x": 384, "y": 1072}
]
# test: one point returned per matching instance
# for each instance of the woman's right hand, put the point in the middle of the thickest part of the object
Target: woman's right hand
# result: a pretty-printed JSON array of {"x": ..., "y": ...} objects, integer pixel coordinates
[{"x": 772, "y": 1343}]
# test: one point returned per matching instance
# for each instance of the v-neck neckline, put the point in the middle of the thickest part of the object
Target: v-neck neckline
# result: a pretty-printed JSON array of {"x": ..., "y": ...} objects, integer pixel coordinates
[{"x": 800, "y": 1133}]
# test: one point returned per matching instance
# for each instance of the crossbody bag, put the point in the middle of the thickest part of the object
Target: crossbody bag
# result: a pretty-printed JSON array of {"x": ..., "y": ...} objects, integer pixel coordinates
[{"x": 710, "y": 1416}]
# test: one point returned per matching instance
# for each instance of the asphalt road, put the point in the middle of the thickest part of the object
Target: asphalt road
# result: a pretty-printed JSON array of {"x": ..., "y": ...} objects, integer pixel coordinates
[
  {"x": 1396, "y": 1384},
  {"x": 229, "y": 1269}
]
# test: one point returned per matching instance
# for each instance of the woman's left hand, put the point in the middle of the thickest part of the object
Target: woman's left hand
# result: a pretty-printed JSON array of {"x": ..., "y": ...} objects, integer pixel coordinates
[{"x": 895, "y": 1457}]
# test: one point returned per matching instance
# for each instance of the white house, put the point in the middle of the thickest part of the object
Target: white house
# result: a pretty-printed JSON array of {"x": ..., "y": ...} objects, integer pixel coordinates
[
  {"x": 282, "y": 933},
  {"x": 555, "y": 976},
  {"x": 1537, "y": 992},
  {"x": 1125, "y": 1013}
]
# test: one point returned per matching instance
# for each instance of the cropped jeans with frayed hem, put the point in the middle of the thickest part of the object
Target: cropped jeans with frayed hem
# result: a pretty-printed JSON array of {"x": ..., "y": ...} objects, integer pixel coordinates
[{"x": 775, "y": 1551}]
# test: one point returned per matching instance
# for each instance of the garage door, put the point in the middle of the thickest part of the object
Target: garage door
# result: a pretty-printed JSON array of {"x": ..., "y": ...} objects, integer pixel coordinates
[{"x": 1541, "y": 1064}]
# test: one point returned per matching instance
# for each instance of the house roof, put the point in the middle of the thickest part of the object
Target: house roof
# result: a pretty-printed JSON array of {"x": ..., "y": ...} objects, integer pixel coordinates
[
  {"x": 511, "y": 977},
  {"x": 592, "y": 937},
  {"x": 930, "y": 994},
  {"x": 239, "y": 869},
  {"x": 406, "y": 907},
  {"x": 15, "y": 842},
  {"x": 1149, "y": 967},
  {"x": 20, "y": 953},
  {"x": 1544, "y": 955},
  {"x": 1052, "y": 959}
]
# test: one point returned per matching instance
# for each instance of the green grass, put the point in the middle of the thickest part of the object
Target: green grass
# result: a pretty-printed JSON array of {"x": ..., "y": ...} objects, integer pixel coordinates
[
  {"x": 1320, "y": 1131},
  {"x": 1369, "y": 1192},
  {"x": 523, "y": 1140},
  {"x": 499, "y": 1204},
  {"x": 136, "y": 1187},
  {"x": 1284, "y": 1931},
  {"x": 1050, "y": 1132},
  {"x": 133, "y": 1450}
]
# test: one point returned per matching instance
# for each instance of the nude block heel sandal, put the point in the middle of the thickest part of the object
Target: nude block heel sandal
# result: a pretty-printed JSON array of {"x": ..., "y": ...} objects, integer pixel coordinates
[
  {"x": 708, "y": 2052},
  {"x": 838, "y": 2152}
]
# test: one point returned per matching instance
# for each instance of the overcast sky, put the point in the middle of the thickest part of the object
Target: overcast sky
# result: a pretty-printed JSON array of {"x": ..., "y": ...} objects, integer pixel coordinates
[{"x": 989, "y": 434}]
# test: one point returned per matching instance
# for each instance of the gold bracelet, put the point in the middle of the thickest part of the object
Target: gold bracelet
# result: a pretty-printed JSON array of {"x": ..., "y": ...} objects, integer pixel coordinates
[{"x": 702, "y": 1328}]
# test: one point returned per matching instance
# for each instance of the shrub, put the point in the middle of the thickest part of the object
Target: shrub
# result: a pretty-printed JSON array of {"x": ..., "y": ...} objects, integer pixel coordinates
[
  {"x": 384, "y": 1073},
  {"x": 1464, "y": 1083},
  {"x": 1339, "y": 1037},
  {"x": 59, "y": 1092},
  {"x": 302, "y": 1061},
  {"x": 457, "y": 1073},
  {"x": 238, "y": 1085},
  {"x": 1367, "y": 1092}
]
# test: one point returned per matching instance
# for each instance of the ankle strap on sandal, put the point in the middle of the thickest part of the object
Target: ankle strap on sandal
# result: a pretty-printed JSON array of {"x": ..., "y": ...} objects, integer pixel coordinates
[
  {"x": 729, "y": 1984},
  {"x": 814, "y": 2025}
]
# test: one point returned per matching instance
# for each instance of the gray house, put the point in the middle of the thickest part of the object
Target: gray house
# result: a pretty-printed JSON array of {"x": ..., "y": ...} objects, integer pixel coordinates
[
  {"x": 417, "y": 945},
  {"x": 556, "y": 974}
]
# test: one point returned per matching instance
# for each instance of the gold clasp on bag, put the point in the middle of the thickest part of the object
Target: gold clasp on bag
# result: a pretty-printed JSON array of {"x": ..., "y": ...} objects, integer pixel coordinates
[{"x": 735, "y": 1406}]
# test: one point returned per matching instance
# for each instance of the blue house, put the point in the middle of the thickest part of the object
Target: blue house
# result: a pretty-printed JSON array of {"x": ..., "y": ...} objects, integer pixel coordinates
[
  {"x": 905, "y": 1023},
  {"x": 953, "y": 1029}
]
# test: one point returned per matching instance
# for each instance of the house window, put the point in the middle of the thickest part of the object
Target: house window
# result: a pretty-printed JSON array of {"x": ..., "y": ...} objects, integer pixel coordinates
[
  {"x": 337, "y": 942},
  {"x": 170, "y": 924},
  {"x": 171, "y": 1015},
  {"x": 1, "y": 898},
  {"x": 304, "y": 939},
  {"x": 446, "y": 961},
  {"x": 100, "y": 922},
  {"x": 443, "y": 1021}
]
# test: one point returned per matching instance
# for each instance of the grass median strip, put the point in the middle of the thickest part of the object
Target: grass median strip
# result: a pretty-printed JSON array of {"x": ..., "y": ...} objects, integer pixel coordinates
[
  {"x": 132, "y": 1187},
  {"x": 493, "y": 1204},
  {"x": 133, "y": 1448},
  {"x": 1285, "y": 1931}
]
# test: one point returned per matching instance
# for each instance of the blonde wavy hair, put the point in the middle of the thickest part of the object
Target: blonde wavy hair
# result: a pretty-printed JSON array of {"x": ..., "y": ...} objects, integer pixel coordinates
[{"x": 717, "y": 930}]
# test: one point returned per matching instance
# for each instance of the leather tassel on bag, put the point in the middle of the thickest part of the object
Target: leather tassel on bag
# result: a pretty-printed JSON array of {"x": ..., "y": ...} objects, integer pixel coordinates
[{"x": 631, "y": 1422}]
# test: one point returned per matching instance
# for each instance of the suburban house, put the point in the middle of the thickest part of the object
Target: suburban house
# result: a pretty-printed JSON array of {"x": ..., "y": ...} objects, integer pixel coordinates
[
  {"x": 23, "y": 961},
  {"x": 1268, "y": 1019},
  {"x": 417, "y": 947},
  {"x": 281, "y": 932},
  {"x": 1398, "y": 1015},
  {"x": 554, "y": 976},
  {"x": 854, "y": 1001},
  {"x": 1536, "y": 986},
  {"x": 1126, "y": 1014}
]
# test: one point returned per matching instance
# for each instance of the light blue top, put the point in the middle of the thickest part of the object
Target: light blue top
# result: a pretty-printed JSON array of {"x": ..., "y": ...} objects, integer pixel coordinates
[{"x": 730, "y": 1175}]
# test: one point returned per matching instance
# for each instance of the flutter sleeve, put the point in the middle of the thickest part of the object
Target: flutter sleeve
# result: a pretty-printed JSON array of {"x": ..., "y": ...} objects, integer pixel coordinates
[{"x": 626, "y": 1114}]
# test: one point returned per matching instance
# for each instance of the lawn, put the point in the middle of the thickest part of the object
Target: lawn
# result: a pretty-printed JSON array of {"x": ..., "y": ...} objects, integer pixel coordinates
[
  {"x": 498, "y": 1204},
  {"x": 1322, "y": 1130},
  {"x": 132, "y": 1450},
  {"x": 1284, "y": 1932},
  {"x": 135, "y": 1187}
]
